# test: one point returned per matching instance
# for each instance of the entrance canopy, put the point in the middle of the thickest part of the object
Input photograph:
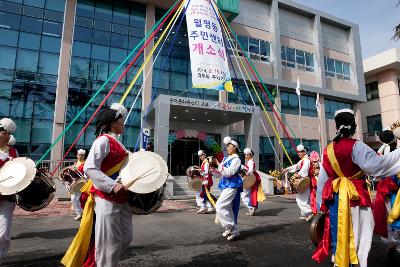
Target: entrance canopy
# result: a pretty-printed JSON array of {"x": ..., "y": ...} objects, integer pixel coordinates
[{"x": 173, "y": 113}]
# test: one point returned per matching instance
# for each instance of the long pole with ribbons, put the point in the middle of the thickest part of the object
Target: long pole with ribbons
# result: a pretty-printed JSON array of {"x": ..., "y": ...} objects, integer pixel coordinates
[
  {"x": 114, "y": 87},
  {"x": 173, "y": 7},
  {"x": 299, "y": 98},
  {"x": 255, "y": 73},
  {"x": 149, "y": 57},
  {"x": 259, "y": 98}
]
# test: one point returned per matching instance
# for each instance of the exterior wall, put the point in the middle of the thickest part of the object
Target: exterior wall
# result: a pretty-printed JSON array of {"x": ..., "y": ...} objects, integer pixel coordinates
[
  {"x": 335, "y": 38},
  {"x": 384, "y": 69},
  {"x": 389, "y": 97},
  {"x": 254, "y": 14},
  {"x": 295, "y": 26},
  {"x": 280, "y": 22}
]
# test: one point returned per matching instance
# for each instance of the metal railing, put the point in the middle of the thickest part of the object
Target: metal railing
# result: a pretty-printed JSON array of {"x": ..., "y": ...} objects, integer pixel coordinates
[{"x": 50, "y": 165}]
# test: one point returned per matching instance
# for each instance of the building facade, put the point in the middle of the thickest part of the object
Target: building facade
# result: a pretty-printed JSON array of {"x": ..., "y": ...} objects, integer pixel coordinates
[
  {"x": 382, "y": 83},
  {"x": 55, "y": 54}
]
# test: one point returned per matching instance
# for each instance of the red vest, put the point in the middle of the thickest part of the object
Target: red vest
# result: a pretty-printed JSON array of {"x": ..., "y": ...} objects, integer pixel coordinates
[
  {"x": 12, "y": 152},
  {"x": 79, "y": 167},
  {"x": 114, "y": 156},
  {"x": 246, "y": 166},
  {"x": 209, "y": 176},
  {"x": 343, "y": 152}
]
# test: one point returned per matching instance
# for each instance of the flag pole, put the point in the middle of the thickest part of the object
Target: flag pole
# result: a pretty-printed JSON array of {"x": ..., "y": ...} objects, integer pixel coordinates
[
  {"x": 298, "y": 96},
  {"x": 318, "y": 107}
]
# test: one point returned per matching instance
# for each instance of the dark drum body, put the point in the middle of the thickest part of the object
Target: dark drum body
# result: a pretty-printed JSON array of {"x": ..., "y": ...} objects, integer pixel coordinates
[
  {"x": 143, "y": 204},
  {"x": 317, "y": 228},
  {"x": 39, "y": 193}
]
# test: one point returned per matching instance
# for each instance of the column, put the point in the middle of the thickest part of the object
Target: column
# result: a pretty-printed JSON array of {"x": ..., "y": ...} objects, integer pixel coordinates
[
  {"x": 322, "y": 122},
  {"x": 389, "y": 97},
  {"x": 63, "y": 80},
  {"x": 276, "y": 60},
  {"x": 252, "y": 128},
  {"x": 147, "y": 71},
  {"x": 357, "y": 113},
  {"x": 147, "y": 88},
  {"x": 356, "y": 64},
  {"x": 278, "y": 146},
  {"x": 223, "y": 96},
  {"x": 161, "y": 128}
]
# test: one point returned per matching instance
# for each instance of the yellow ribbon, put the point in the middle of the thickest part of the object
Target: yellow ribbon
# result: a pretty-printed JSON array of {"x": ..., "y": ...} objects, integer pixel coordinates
[
  {"x": 260, "y": 194},
  {"x": 139, "y": 72},
  {"x": 76, "y": 253},
  {"x": 395, "y": 212},
  {"x": 345, "y": 247},
  {"x": 209, "y": 197},
  {"x": 240, "y": 58}
]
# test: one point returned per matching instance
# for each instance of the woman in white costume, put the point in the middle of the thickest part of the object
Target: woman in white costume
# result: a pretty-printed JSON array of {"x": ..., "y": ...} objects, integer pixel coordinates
[{"x": 231, "y": 184}]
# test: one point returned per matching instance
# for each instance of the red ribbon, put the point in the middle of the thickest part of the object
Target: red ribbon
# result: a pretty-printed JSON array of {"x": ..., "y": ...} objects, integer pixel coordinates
[
  {"x": 322, "y": 251},
  {"x": 384, "y": 187}
]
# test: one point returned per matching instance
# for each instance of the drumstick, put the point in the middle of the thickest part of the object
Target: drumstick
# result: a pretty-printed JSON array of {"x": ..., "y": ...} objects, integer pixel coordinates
[{"x": 139, "y": 177}]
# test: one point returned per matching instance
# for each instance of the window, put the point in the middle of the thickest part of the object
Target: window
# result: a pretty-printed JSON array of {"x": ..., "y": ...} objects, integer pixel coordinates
[
  {"x": 267, "y": 157},
  {"x": 8, "y": 37},
  {"x": 29, "y": 72},
  {"x": 332, "y": 105},
  {"x": 337, "y": 69},
  {"x": 290, "y": 104},
  {"x": 310, "y": 145},
  {"x": 27, "y": 60},
  {"x": 7, "y": 55},
  {"x": 372, "y": 90},
  {"x": 295, "y": 58},
  {"x": 256, "y": 49},
  {"x": 48, "y": 63},
  {"x": 29, "y": 40},
  {"x": 374, "y": 124}
]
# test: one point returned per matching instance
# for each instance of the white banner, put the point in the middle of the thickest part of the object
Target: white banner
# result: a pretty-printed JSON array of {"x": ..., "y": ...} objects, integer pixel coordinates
[{"x": 208, "y": 58}]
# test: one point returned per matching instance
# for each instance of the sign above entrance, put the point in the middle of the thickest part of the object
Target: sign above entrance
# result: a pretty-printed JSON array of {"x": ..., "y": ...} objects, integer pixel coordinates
[
  {"x": 208, "y": 58},
  {"x": 183, "y": 101}
]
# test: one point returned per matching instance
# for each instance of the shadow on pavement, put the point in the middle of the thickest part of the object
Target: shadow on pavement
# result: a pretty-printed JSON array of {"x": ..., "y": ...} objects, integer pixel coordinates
[
  {"x": 52, "y": 234},
  {"x": 269, "y": 212}
]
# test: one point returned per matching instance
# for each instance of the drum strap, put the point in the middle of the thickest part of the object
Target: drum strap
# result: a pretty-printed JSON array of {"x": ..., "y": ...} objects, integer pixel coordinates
[{"x": 345, "y": 249}]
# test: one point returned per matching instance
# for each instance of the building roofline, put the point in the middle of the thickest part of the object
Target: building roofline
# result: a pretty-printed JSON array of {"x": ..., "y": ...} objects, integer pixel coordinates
[
  {"x": 389, "y": 59},
  {"x": 324, "y": 16}
]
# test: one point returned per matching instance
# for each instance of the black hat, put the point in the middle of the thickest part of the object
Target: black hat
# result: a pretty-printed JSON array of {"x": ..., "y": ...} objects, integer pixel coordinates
[
  {"x": 345, "y": 123},
  {"x": 387, "y": 137}
]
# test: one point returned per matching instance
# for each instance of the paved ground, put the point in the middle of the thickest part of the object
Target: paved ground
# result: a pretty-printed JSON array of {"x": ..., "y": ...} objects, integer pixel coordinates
[{"x": 177, "y": 236}]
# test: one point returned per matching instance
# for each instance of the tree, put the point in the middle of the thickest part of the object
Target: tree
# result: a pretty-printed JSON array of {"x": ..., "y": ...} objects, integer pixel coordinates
[{"x": 396, "y": 35}]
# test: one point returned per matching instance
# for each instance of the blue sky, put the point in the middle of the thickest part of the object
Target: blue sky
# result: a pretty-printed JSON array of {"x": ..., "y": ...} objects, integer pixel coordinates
[{"x": 376, "y": 20}]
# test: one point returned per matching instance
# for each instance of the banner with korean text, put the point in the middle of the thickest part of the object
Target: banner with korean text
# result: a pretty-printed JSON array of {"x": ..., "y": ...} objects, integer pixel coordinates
[{"x": 208, "y": 58}]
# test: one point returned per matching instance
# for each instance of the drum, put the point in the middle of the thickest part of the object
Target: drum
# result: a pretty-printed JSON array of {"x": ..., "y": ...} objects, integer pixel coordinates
[
  {"x": 213, "y": 162},
  {"x": 303, "y": 184},
  {"x": 248, "y": 180},
  {"x": 194, "y": 178},
  {"x": 33, "y": 189},
  {"x": 317, "y": 228},
  {"x": 39, "y": 193},
  {"x": 144, "y": 174},
  {"x": 73, "y": 179},
  {"x": 143, "y": 204}
]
